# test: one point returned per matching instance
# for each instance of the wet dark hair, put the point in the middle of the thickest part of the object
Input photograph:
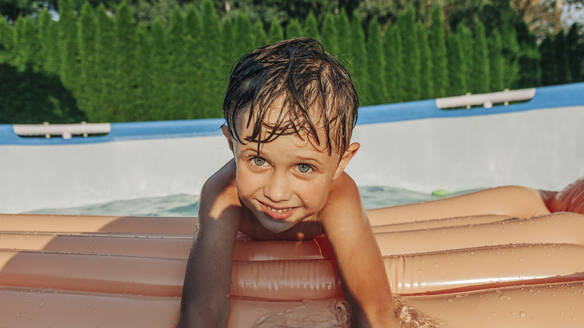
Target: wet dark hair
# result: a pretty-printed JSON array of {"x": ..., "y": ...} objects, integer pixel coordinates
[{"x": 312, "y": 85}]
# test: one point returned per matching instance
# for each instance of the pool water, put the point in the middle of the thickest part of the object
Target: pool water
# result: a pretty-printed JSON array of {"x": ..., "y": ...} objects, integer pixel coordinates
[{"x": 188, "y": 205}]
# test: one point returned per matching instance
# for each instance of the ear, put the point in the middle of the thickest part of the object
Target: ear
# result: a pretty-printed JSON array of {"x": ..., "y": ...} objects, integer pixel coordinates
[
  {"x": 346, "y": 158},
  {"x": 227, "y": 136}
]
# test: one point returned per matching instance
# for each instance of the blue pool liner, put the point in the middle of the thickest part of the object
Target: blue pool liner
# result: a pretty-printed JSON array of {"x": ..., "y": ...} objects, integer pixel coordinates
[{"x": 545, "y": 98}]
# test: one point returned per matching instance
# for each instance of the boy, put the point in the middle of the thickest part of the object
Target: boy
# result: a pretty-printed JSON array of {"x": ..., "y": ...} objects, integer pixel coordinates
[{"x": 290, "y": 110}]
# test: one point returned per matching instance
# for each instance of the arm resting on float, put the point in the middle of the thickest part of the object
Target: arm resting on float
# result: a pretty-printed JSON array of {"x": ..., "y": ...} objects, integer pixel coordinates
[
  {"x": 357, "y": 254},
  {"x": 205, "y": 298}
]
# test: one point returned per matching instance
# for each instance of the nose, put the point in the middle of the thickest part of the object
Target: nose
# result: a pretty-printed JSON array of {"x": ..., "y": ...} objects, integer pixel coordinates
[{"x": 277, "y": 189}]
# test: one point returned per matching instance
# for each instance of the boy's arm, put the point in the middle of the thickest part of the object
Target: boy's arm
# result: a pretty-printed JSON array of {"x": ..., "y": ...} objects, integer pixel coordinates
[
  {"x": 357, "y": 253},
  {"x": 205, "y": 297}
]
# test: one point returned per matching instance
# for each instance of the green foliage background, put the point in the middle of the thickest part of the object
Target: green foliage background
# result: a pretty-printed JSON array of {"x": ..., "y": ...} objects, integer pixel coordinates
[{"x": 102, "y": 65}]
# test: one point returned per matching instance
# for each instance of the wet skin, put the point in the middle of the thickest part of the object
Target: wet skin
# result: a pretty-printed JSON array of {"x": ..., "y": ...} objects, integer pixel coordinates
[{"x": 291, "y": 189}]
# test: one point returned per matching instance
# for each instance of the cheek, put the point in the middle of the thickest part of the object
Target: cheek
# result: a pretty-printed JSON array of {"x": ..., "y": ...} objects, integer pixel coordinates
[
  {"x": 315, "y": 195},
  {"x": 245, "y": 181}
]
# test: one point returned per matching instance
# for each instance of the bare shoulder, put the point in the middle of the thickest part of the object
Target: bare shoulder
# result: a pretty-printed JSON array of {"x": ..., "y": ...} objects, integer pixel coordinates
[
  {"x": 344, "y": 202},
  {"x": 344, "y": 190},
  {"x": 219, "y": 198},
  {"x": 220, "y": 210}
]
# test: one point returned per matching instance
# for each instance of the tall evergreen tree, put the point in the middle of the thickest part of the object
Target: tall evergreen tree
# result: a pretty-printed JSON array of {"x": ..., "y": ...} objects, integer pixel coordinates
[
  {"x": 393, "y": 67},
  {"x": 411, "y": 54},
  {"x": 426, "y": 78},
  {"x": 6, "y": 36},
  {"x": 293, "y": 29},
  {"x": 575, "y": 41},
  {"x": 69, "y": 45},
  {"x": 276, "y": 33},
  {"x": 495, "y": 62},
  {"x": 562, "y": 59},
  {"x": 230, "y": 51},
  {"x": 105, "y": 66},
  {"x": 159, "y": 98},
  {"x": 214, "y": 81},
  {"x": 456, "y": 71},
  {"x": 125, "y": 47},
  {"x": 35, "y": 45},
  {"x": 359, "y": 67},
  {"x": 30, "y": 47},
  {"x": 465, "y": 39},
  {"x": 529, "y": 70},
  {"x": 143, "y": 111},
  {"x": 548, "y": 61},
  {"x": 43, "y": 30},
  {"x": 439, "y": 56},
  {"x": 479, "y": 79},
  {"x": 243, "y": 35},
  {"x": 329, "y": 35},
  {"x": 510, "y": 55},
  {"x": 19, "y": 56},
  {"x": 88, "y": 98},
  {"x": 177, "y": 61},
  {"x": 344, "y": 39},
  {"x": 194, "y": 63},
  {"x": 53, "y": 59},
  {"x": 259, "y": 34},
  {"x": 311, "y": 26},
  {"x": 375, "y": 65}
]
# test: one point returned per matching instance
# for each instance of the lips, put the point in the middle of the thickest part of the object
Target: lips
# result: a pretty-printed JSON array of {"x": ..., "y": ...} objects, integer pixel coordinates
[{"x": 278, "y": 213}]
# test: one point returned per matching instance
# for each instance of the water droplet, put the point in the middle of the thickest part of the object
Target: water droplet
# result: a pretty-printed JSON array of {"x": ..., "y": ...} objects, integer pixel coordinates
[
  {"x": 450, "y": 300},
  {"x": 522, "y": 314},
  {"x": 42, "y": 304}
]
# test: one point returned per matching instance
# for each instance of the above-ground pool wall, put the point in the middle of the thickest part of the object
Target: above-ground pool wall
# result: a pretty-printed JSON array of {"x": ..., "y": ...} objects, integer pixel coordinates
[
  {"x": 538, "y": 143},
  {"x": 416, "y": 145},
  {"x": 66, "y": 175}
]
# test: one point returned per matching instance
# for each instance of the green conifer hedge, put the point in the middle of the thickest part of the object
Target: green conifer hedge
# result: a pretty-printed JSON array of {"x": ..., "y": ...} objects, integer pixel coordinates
[{"x": 102, "y": 67}]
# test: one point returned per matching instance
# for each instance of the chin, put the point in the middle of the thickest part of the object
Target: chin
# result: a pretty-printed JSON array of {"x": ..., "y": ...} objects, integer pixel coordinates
[{"x": 274, "y": 225}]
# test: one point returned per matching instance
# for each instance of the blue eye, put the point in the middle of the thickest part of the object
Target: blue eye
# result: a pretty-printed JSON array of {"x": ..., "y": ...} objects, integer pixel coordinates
[
  {"x": 258, "y": 161},
  {"x": 304, "y": 168}
]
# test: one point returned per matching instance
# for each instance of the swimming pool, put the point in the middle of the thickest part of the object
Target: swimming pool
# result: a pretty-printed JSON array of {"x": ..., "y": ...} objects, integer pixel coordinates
[
  {"x": 157, "y": 168},
  {"x": 187, "y": 205},
  {"x": 416, "y": 146}
]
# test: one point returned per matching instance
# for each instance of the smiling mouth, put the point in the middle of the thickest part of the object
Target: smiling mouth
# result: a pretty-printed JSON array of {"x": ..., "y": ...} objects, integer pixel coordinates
[{"x": 277, "y": 213}]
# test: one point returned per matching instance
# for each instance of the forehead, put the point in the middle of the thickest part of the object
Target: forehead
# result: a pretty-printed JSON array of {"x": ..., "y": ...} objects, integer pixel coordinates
[{"x": 278, "y": 120}]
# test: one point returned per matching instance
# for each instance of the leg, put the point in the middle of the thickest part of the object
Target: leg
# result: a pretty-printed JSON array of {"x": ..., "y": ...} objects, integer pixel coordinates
[{"x": 514, "y": 201}]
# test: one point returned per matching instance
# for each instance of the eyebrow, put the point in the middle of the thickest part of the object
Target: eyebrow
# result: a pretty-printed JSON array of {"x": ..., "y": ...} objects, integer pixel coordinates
[{"x": 250, "y": 149}]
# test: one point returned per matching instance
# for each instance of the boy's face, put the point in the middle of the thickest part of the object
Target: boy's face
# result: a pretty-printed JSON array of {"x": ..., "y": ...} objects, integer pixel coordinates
[{"x": 289, "y": 180}]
